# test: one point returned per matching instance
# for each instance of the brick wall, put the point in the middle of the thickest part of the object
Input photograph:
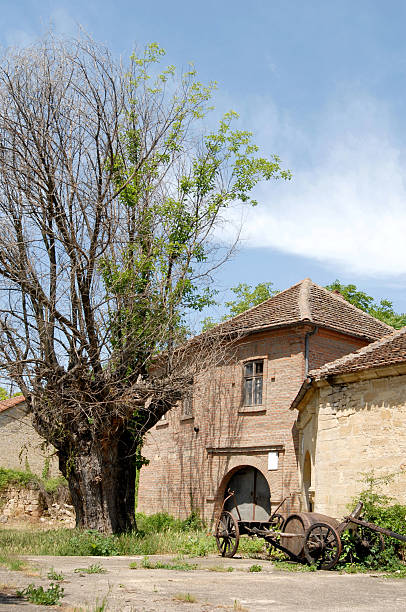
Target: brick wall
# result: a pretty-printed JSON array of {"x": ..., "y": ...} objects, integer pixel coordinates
[{"x": 190, "y": 469}]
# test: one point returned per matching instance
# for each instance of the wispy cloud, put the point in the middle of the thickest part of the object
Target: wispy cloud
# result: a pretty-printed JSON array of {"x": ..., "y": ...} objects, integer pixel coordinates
[{"x": 346, "y": 205}]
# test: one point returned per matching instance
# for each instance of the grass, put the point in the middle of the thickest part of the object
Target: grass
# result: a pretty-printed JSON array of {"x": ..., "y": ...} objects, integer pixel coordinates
[
  {"x": 292, "y": 566},
  {"x": 54, "y": 575},
  {"x": 255, "y": 568},
  {"x": 12, "y": 563},
  {"x": 182, "y": 566},
  {"x": 172, "y": 540},
  {"x": 219, "y": 568},
  {"x": 95, "y": 568},
  {"x": 186, "y": 597}
]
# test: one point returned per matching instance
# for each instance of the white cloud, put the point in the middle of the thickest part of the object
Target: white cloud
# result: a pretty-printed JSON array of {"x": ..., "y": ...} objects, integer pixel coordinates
[{"x": 346, "y": 205}]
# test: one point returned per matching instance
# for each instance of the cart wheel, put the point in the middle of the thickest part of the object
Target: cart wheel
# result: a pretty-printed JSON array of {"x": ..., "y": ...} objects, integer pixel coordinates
[
  {"x": 276, "y": 521},
  {"x": 322, "y": 545},
  {"x": 227, "y": 534},
  {"x": 368, "y": 542}
]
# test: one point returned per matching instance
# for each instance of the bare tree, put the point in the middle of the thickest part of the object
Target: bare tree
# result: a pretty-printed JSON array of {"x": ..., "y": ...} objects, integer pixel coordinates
[{"x": 108, "y": 200}]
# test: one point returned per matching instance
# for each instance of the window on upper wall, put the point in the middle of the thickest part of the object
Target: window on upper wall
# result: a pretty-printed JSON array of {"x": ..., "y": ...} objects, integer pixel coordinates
[
  {"x": 253, "y": 382},
  {"x": 187, "y": 404}
]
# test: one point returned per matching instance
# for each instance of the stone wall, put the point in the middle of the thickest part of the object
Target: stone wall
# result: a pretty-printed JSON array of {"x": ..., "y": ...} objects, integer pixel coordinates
[
  {"x": 33, "y": 502},
  {"x": 192, "y": 459},
  {"x": 21, "y": 448},
  {"x": 353, "y": 428}
]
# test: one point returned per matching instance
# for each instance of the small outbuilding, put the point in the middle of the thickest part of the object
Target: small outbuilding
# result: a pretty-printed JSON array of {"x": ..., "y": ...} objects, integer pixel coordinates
[
  {"x": 21, "y": 447},
  {"x": 352, "y": 415}
]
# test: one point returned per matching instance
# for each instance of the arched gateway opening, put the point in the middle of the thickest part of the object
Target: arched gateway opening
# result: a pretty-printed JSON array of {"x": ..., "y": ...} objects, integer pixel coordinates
[{"x": 252, "y": 495}]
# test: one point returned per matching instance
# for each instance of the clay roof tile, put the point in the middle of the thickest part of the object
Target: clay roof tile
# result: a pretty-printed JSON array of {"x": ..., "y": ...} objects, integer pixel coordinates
[
  {"x": 308, "y": 302},
  {"x": 389, "y": 350}
]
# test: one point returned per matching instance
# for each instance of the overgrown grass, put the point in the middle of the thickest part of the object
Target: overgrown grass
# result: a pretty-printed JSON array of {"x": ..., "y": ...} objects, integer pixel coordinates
[
  {"x": 11, "y": 562},
  {"x": 22, "y": 478},
  {"x": 174, "y": 564},
  {"x": 158, "y": 534}
]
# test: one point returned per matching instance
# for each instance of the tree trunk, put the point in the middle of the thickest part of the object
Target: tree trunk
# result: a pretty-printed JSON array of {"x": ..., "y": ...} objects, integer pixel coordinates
[{"x": 101, "y": 479}]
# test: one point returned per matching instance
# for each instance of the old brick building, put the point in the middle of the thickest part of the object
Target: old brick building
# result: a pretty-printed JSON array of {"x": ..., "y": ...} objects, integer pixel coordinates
[{"x": 237, "y": 429}]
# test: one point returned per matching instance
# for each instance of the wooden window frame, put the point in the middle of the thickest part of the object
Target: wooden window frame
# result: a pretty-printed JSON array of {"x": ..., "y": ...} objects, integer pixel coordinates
[{"x": 253, "y": 377}]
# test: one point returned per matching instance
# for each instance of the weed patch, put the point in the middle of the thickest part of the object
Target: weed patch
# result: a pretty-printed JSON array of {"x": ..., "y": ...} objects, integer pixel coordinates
[
  {"x": 182, "y": 566},
  {"x": 40, "y": 596},
  {"x": 255, "y": 568},
  {"x": 186, "y": 597},
  {"x": 53, "y": 575},
  {"x": 95, "y": 568}
]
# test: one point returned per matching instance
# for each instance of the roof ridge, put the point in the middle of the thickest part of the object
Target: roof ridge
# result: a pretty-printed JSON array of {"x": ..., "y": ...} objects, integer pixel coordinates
[
  {"x": 341, "y": 298},
  {"x": 261, "y": 303},
  {"x": 303, "y": 301},
  {"x": 369, "y": 348}
]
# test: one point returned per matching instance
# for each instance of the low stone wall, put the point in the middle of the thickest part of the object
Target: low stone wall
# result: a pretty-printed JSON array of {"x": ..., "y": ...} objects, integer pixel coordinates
[{"x": 33, "y": 502}]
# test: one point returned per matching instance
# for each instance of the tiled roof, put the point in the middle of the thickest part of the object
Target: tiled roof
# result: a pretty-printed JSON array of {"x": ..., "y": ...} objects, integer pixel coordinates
[
  {"x": 307, "y": 302},
  {"x": 390, "y": 350},
  {"x": 11, "y": 402}
]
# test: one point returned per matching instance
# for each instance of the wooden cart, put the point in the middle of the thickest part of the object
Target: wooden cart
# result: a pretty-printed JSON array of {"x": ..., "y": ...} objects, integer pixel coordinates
[{"x": 303, "y": 536}]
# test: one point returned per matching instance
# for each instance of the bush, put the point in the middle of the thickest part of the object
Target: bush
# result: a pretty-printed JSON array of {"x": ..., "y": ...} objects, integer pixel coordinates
[
  {"x": 16, "y": 477},
  {"x": 378, "y": 509},
  {"x": 162, "y": 522}
]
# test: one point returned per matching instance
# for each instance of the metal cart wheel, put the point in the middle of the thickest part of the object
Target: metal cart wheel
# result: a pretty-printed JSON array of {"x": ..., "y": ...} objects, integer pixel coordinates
[
  {"x": 322, "y": 546},
  {"x": 227, "y": 534},
  {"x": 368, "y": 542}
]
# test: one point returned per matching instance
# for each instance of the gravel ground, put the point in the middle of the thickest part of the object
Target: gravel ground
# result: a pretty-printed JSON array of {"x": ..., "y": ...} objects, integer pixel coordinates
[{"x": 210, "y": 587}]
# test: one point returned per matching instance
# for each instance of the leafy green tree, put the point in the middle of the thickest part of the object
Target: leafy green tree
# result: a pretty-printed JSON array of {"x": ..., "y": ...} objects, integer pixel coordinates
[
  {"x": 247, "y": 297},
  {"x": 382, "y": 310},
  {"x": 111, "y": 189}
]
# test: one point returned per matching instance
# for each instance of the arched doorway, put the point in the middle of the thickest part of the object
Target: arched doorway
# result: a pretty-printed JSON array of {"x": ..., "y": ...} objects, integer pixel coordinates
[
  {"x": 252, "y": 495},
  {"x": 307, "y": 481}
]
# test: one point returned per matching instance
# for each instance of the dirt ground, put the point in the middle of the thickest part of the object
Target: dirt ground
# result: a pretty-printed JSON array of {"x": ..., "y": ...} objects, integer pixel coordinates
[{"x": 210, "y": 586}]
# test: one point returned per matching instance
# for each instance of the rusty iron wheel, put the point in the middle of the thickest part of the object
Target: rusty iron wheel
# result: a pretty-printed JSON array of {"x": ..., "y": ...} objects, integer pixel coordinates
[
  {"x": 368, "y": 542},
  {"x": 322, "y": 546},
  {"x": 227, "y": 534}
]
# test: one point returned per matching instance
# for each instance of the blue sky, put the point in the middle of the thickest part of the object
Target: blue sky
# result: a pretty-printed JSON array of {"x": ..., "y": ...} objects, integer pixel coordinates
[{"x": 322, "y": 84}]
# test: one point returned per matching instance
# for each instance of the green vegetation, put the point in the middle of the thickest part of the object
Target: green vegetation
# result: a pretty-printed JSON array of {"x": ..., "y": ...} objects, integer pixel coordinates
[
  {"x": 54, "y": 575},
  {"x": 247, "y": 297},
  {"x": 382, "y": 310},
  {"x": 157, "y": 534},
  {"x": 40, "y": 596},
  {"x": 255, "y": 568},
  {"x": 23, "y": 478},
  {"x": 12, "y": 563},
  {"x": 182, "y": 566},
  {"x": 95, "y": 568},
  {"x": 379, "y": 509},
  {"x": 292, "y": 566},
  {"x": 186, "y": 597}
]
